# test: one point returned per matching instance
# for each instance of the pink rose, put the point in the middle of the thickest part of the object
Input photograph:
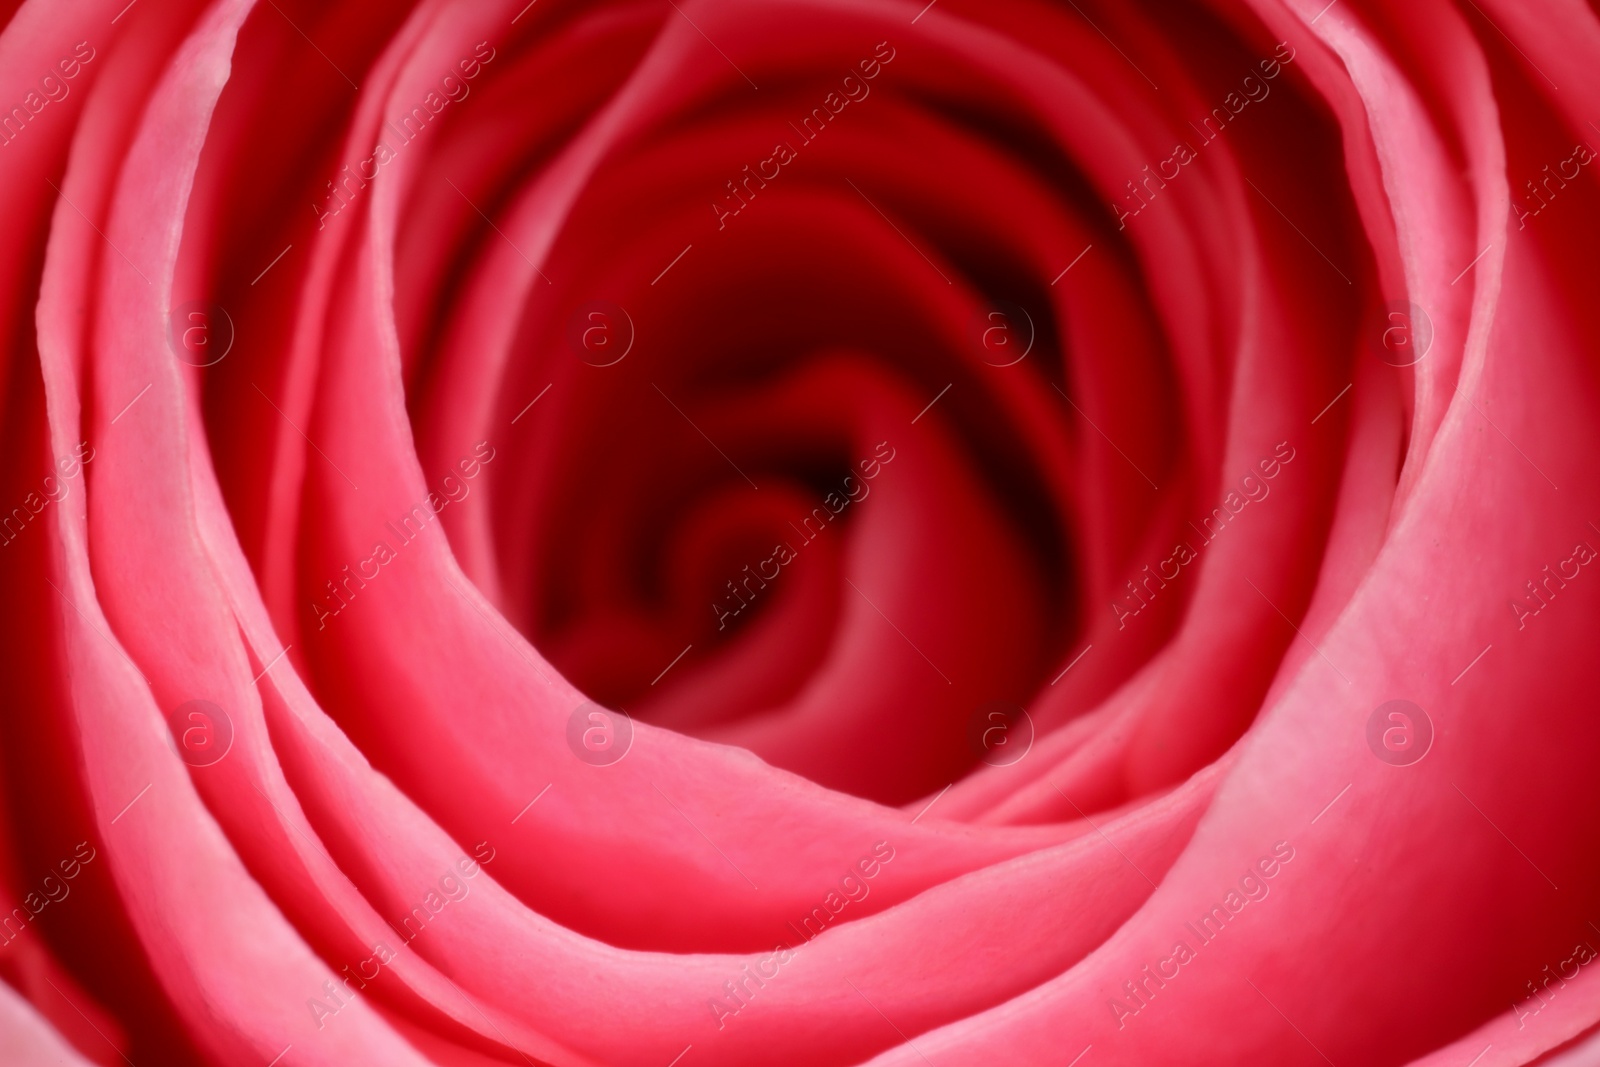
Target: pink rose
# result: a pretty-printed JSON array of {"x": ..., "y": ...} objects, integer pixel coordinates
[{"x": 799, "y": 533}]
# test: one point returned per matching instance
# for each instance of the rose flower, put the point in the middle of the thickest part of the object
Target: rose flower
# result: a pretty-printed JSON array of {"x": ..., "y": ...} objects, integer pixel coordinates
[{"x": 708, "y": 532}]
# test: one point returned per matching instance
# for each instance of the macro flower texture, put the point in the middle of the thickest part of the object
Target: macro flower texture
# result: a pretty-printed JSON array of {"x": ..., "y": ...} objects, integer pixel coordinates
[{"x": 707, "y": 533}]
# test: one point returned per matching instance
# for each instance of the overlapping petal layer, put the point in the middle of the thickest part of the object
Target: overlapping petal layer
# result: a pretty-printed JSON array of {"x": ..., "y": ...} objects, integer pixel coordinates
[{"x": 665, "y": 360}]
